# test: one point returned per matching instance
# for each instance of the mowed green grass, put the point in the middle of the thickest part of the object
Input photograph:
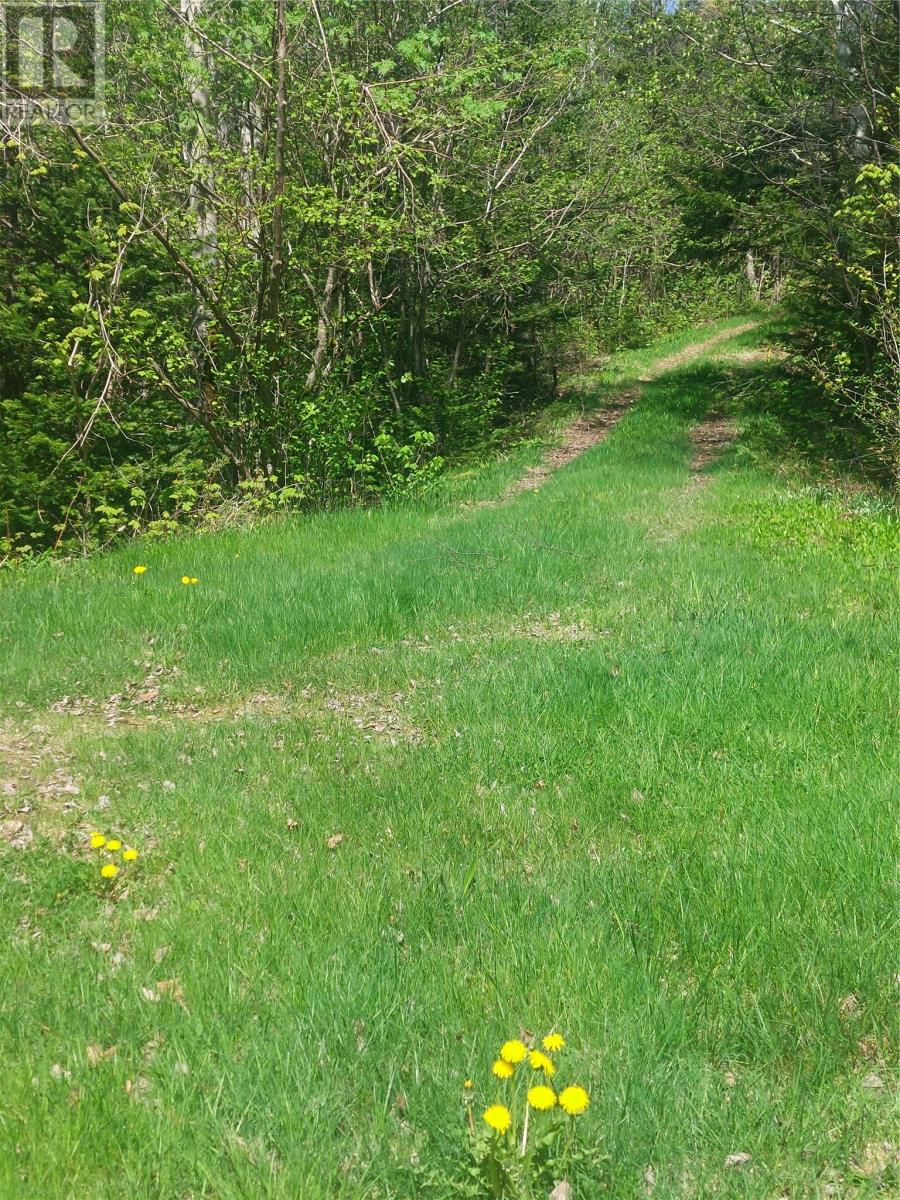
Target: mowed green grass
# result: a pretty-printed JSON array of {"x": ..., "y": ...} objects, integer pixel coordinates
[{"x": 606, "y": 759}]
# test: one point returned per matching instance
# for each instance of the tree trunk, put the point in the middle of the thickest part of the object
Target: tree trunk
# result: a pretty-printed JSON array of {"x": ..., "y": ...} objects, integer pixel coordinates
[
  {"x": 278, "y": 258},
  {"x": 196, "y": 157},
  {"x": 328, "y": 309}
]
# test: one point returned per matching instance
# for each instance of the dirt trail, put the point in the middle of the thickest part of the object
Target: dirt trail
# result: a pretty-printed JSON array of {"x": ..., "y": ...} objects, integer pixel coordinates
[
  {"x": 709, "y": 441},
  {"x": 587, "y": 431}
]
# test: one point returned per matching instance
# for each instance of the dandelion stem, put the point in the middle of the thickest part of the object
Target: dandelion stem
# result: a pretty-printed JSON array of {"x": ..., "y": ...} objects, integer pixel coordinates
[{"x": 525, "y": 1130}]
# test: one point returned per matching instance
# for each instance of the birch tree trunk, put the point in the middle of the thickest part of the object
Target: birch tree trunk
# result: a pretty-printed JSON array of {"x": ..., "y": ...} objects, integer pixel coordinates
[
  {"x": 278, "y": 253},
  {"x": 197, "y": 155}
]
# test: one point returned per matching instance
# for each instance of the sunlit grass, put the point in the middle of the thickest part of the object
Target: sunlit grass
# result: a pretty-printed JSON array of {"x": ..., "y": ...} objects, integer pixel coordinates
[{"x": 602, "y": 758}]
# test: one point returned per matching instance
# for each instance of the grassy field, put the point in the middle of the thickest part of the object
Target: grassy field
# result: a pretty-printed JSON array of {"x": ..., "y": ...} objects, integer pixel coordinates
[{"x": 613, "y": 757}]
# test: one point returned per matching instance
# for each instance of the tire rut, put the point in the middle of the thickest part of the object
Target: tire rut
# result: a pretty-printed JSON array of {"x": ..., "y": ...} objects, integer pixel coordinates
[{"x": 586, "y": 431}]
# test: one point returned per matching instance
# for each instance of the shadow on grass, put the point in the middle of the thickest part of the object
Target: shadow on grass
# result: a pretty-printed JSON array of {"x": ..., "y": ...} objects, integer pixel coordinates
[
  {"x": 786, "y": 418},
  {"x": 781, "y": 419}
]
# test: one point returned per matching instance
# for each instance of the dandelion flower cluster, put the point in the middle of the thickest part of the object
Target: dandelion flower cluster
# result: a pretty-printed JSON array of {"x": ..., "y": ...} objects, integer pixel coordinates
[
  {"x": 185, "y": 579},
  {"x": 573, "y": 1100},
  {"x": 112, "y": 845}
]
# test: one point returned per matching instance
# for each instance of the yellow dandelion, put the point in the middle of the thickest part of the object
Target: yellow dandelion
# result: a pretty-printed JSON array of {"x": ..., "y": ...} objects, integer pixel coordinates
[
  {"x": 513, "y": 1051},
  {"x": 502, "y": 1069},
  {"x": 574, "y": 1100},
  {"x": 194, "y": 579},
  {"x": 498, "y": 1117},
  {"x": 468, "y": 1085},
  {"x": 129, "y": 855},
  {"x": 541, "y": 1096},
  {"x": 109, "y": 870},
  {"x": 185, "y": 579},
  {"x": 540, "y": 1062},
  {"x": 114, "y": 844},
  {"x": 139, "y": 570},
  {"x": 553, "y": 1042},
  {"x": 98, "y": 841}
]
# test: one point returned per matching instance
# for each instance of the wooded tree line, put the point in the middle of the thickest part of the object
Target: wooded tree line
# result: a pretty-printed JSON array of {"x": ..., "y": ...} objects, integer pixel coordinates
[{"x": 317, "y": 248}]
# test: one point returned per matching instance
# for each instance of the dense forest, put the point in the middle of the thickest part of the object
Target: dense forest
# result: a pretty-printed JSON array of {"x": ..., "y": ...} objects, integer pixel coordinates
[{"x": 317, "y": 249}]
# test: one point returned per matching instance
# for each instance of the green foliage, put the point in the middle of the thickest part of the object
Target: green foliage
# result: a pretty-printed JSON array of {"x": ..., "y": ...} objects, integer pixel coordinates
[
  {"x": 787, "y": 116},
  {"x": 496, "y": 1170},
  {"x": 787, "y": 416},
  {"x": 861, "y": 370},
  {"x": 197, "y": 303},
  {"x": 328, "y": 270},
  {"x": 820, "y": 520}
]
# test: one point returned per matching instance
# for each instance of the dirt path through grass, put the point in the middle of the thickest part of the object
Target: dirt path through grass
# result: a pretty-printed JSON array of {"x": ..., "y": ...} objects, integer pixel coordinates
[{"x": 588, "y": 431}]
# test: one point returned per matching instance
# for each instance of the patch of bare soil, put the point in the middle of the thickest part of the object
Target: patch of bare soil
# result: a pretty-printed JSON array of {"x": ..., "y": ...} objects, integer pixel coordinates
[
  {"x": 753, "y": 357},
  {"x": 40, "y": 790},
  {"x": 588, "y": 431},
  {"x": 553, "y": 628},
  {"x": 583, "y": 434},
  {"x": 33, "y": 761},
  {"x": 374, "y": 716},
  {"x": 131, "y": 706},
  {"x": 35, "y": 758},
  {"x": 710, "y": 441},
  {"x": 35, "y": 775}
]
